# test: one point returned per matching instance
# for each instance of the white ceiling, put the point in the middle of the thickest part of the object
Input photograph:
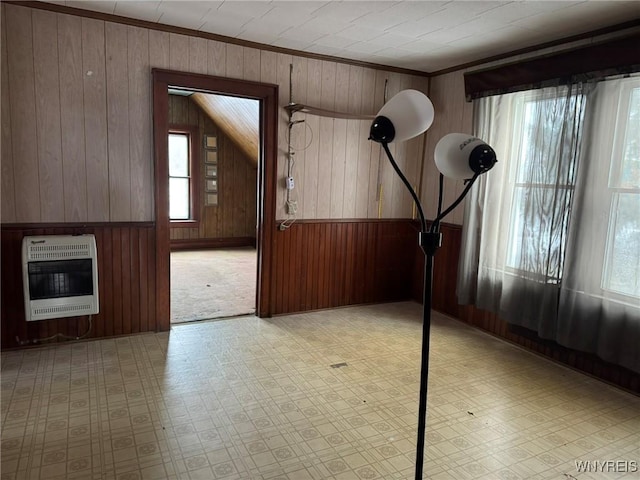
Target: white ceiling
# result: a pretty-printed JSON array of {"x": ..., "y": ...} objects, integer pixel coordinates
[{"x": 420, "y": 35}]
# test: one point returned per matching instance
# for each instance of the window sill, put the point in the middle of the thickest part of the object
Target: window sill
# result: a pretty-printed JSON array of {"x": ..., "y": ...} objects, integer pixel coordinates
[{"x": 184, "y": 223}]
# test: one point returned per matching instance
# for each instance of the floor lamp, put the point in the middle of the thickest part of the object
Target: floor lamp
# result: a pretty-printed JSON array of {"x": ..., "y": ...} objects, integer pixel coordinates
[{"x": 459, "y": 156}]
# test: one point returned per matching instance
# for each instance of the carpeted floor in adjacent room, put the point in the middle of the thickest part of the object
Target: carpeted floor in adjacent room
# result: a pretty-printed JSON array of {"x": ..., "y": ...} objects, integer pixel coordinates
[{"x": 215, "y": 283}]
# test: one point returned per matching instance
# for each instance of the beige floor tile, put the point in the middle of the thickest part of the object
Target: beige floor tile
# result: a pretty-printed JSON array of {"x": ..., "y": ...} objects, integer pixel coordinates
[{"x": 318, "y": 396}]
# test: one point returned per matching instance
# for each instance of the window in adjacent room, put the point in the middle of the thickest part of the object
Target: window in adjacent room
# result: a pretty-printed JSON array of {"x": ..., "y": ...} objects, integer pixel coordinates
[{"x": 183, "y": 165}]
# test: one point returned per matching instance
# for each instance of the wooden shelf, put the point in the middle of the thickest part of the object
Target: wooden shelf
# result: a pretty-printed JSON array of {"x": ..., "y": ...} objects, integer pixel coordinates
[{"x": 298, "y": 107}]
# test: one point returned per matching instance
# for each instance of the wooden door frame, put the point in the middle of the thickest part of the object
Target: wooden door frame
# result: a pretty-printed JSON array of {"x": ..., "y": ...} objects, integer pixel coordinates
[{"x": 267, "y": 94}]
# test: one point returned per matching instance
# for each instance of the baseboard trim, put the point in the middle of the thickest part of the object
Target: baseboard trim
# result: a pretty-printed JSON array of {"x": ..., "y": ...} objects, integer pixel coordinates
[{"x": 206, "y": 243}]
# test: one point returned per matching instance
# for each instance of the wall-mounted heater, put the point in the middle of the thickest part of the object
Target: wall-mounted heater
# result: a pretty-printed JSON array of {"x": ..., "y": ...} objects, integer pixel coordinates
[{"x": 60, "y": 276}]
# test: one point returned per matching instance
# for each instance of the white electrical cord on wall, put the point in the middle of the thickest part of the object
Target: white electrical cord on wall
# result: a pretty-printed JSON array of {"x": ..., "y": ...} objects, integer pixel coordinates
[{"x": 291, "y": 203}]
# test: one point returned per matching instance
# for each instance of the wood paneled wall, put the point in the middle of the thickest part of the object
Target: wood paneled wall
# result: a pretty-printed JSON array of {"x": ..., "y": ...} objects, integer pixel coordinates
[
  {"x": 338, "y": 172},
  {"x": 77, "y": 132},
  {"x": 78, "y": 118},
  {"x": 325, "y": 264},
  {"x": 445, "y": 278},
  {"x": 127, "y": 283},
  {"x": 235, "y": 214}
]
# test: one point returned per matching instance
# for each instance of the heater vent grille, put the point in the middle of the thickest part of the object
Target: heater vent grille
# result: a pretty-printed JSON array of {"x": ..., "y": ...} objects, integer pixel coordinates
[
  {"x": 71, "y": 309},
  {"x": 58, "y": 252}
]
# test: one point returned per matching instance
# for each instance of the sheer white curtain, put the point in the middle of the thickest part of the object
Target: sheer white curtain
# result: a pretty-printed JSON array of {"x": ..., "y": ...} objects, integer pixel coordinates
[
  {"x": 599, "y": 308},
  {"x": 516, "y": 219},
  {"x": 531, "y": 224}
]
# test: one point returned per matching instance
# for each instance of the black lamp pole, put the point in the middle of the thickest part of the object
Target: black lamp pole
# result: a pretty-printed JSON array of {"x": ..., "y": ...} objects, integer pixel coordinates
[{"x": 429, "y": 241}]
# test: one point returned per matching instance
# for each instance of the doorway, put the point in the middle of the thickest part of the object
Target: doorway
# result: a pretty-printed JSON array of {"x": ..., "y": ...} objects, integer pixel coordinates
[
  {"x": 267, "y": 96},
  {"x": 214, "y": 144}
]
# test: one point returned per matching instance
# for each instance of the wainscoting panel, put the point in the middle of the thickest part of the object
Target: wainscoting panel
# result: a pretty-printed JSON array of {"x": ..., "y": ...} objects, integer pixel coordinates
[
  {"x": 126, "y": 283},
  {"x": 325, "y": 264}
]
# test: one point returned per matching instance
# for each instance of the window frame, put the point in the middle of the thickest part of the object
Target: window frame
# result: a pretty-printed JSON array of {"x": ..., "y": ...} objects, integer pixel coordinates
[
  {"x": 192, "y": 132},
  {"x": 616, "y": 189}
]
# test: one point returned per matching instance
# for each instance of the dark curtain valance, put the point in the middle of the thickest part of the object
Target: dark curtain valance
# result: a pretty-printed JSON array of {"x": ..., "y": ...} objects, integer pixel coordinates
[{"x": 592, "y": 62}]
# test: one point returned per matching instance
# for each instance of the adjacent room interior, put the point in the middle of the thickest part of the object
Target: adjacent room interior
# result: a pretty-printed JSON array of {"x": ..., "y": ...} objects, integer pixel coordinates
[{"x": 213, "y": 154}]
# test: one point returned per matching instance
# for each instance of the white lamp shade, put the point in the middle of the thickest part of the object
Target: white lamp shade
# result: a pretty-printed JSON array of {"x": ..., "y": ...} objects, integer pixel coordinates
[
  {"x": 411, "y": 113},
  {"x": 453, "y": 154}
]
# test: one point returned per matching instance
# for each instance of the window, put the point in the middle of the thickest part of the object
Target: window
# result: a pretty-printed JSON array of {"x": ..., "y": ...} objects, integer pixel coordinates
[
  {"x": 622, "y": 259},
  {"x": 551, "y": 240},
  {"x": 542, "y": 180},
  {"x": 183, "y": 168}
]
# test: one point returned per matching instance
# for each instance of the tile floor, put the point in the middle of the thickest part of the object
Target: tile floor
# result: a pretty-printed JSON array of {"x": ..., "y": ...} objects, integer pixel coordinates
[{"x": 258, "y": 399}]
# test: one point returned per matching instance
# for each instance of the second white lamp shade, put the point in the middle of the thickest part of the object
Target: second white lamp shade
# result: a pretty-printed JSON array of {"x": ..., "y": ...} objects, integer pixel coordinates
[{"x": 457, "y": 156}]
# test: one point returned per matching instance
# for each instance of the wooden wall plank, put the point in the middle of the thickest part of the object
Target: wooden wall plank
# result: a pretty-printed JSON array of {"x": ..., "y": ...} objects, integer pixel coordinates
[
  {"x": 198, "y": 55},
  {"x": 325, "y": 139},
  {"x": 251, "y": 64},
  {"x": 95, "y": 119},
  {"x": 353, "y": 142},
  {"x": 238, "y": 196},
  {"x": 72, "y": 118},
  {"x": 234, "y": 61},
  {"x": 268, "y": 67},
  {"x": 341, "y": 232},
  {"x": 350, "y": 273},
  {"x": 338, "y": 181},
  {"x": 22, "y": 113},
  {"x": 331, "y": 265},
  {"x": 47, "y": 94},
  {"x": 216, "y": 58},
  {"x": 140, "y": 146},
  {"x": 226, "y": 173},
  {"x": 125, "y": 281},
  {"x": 8, "y": 199},
  {"x": 117, "y": 286},
  {"x": 159, "y": 49},
  {"x": 98, "y": 323},
  {"x": 152, "y": 322},
  {"x": 294, "y": 266},
  {"x": 118, "y": 122},
  {"x": 279, "y": 275},
  {"x": 195, "y": 116},
  {"x": 310, "y": 192},
  {"x": 106, "y": 278},
  {"x": 178, "y": 52}
]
